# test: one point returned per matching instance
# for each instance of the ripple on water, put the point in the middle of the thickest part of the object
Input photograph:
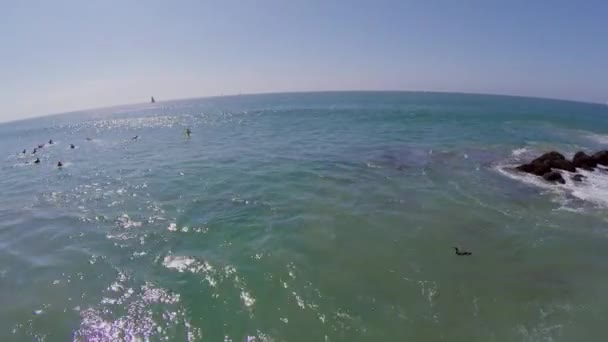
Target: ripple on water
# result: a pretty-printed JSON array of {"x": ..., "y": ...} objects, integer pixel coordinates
[
  {"x": 210, "y": 274},
  {"x": 129, "y": 314},
  {"x": 191, "y": 265},
  {"x": 126, "y": 222}
]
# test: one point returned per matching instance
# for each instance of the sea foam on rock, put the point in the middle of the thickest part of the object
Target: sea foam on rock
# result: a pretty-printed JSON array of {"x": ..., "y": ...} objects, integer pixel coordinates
[{"x": 545, "y": 164}]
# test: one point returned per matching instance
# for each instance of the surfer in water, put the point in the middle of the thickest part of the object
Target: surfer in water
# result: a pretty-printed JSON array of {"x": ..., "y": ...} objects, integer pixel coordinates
[
  {"x": 51, "y": 142},
  {"x": 72, "y": 146},
  {"x": 24, "y": 151},
  {"x": 135, "y": 137},
  {"x": 188, "y": 132},
  {"x": 37, "y": 161},
  {"x": 34, "y": 150},
  {"x": 59, "y": 164}
]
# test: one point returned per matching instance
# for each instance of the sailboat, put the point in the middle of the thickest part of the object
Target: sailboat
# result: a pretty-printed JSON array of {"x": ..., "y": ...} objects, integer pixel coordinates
[{"x": 152, "y": 99}]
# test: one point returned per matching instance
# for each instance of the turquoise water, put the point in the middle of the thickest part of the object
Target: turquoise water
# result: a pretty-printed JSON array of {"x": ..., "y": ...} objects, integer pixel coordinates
[{"x": 304, "y": 217}]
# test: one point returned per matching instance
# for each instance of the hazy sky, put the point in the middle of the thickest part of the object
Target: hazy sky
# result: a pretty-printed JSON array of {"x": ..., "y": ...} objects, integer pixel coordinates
[{"x": 60, "y": 55}]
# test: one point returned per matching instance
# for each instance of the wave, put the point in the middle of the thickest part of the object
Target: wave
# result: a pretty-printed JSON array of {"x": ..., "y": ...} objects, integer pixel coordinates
[
  {"x": 593, "y": 189},
  {"x": 598, "y": 138}
]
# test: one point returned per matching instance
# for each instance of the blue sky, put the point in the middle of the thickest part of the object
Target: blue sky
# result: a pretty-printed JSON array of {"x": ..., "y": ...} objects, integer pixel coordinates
[{"x": 61, "y": 55}]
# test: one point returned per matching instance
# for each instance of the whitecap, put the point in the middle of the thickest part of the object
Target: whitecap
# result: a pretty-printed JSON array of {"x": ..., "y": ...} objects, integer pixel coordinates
[
  {"x": 519, "y": 151},
  {"x": 247, "y": 298},
  {"x": 190, "y": 264},
  {"x": 179, "y": 263},
  {"x": 299, "y": 300}
]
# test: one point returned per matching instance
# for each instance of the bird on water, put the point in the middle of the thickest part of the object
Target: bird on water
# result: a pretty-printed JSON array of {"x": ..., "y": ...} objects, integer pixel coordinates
[{"x": 458, "y": 252}]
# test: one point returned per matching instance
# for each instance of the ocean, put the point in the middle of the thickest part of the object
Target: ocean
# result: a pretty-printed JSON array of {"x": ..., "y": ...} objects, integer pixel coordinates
[{"x": 304, "y": 217}]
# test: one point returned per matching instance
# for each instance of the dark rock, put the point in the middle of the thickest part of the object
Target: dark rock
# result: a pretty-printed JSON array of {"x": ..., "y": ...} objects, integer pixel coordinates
[
  {"x": 601, "y": 157},
  {"x": 538, "y": 169},
  {"x": 552, "y": 159},
  {"x": 554, "y": 176},
  {"x": 578, "y": 178},
  {"x": 584, "y": 161},
  {"x": 549, "y": 156},
  {"x": 562, "y": 165}
]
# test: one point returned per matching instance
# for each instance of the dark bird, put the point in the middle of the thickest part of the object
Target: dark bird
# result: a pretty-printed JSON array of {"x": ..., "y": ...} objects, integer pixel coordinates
[
  {"x": 458, "y": 252},
  {"x": 37, "y": 161},
  {"x": 72, "y": 146},
  {"x": 51, "y": 142},
  {"x": 59, "y": 164}
]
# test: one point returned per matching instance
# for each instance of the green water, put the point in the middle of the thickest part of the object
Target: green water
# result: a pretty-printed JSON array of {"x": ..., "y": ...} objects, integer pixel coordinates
[{"x": 304, "y": 217}]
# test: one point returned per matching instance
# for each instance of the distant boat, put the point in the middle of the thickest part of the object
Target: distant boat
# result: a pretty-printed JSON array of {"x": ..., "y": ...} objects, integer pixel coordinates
[{"x": 152, "y": 99}]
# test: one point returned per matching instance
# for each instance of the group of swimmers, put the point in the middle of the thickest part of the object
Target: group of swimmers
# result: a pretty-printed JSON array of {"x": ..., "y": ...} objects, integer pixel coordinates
[
  {"x": 35, "y": 150},
  {"x": 188, "y": 132}
]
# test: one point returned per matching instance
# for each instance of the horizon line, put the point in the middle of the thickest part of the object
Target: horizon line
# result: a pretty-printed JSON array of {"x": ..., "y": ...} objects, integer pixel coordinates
[{"x": 302, "y": 92}]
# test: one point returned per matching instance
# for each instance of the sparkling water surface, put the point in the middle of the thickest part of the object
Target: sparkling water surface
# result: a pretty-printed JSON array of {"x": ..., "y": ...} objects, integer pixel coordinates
[{"x": 304, "y": 217}]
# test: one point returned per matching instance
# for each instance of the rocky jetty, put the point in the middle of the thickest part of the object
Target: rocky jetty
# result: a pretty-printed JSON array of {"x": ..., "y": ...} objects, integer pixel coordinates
[{"x": 547, "y": 164}]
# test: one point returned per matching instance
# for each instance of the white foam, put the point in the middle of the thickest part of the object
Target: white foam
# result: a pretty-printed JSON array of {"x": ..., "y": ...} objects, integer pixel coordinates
[
  {"x": 299, "y": 300},
  {"x": 247, "y": 298},
  {"x": 180, "y": 263},
  {"x": 125, "y": 222},
  {"x": 519, "y": 151},
  {"x": 593, "y": 189},
  {"x": 600, "y": 138},
  {"x": 189, "y": 264},
  {"x": 508, "y": 171}
]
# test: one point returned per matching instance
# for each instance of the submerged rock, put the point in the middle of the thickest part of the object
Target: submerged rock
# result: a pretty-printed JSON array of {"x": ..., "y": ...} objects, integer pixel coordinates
[
  {"x": 578, "y": 178},
  {"x": 554, "y": 176}
]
